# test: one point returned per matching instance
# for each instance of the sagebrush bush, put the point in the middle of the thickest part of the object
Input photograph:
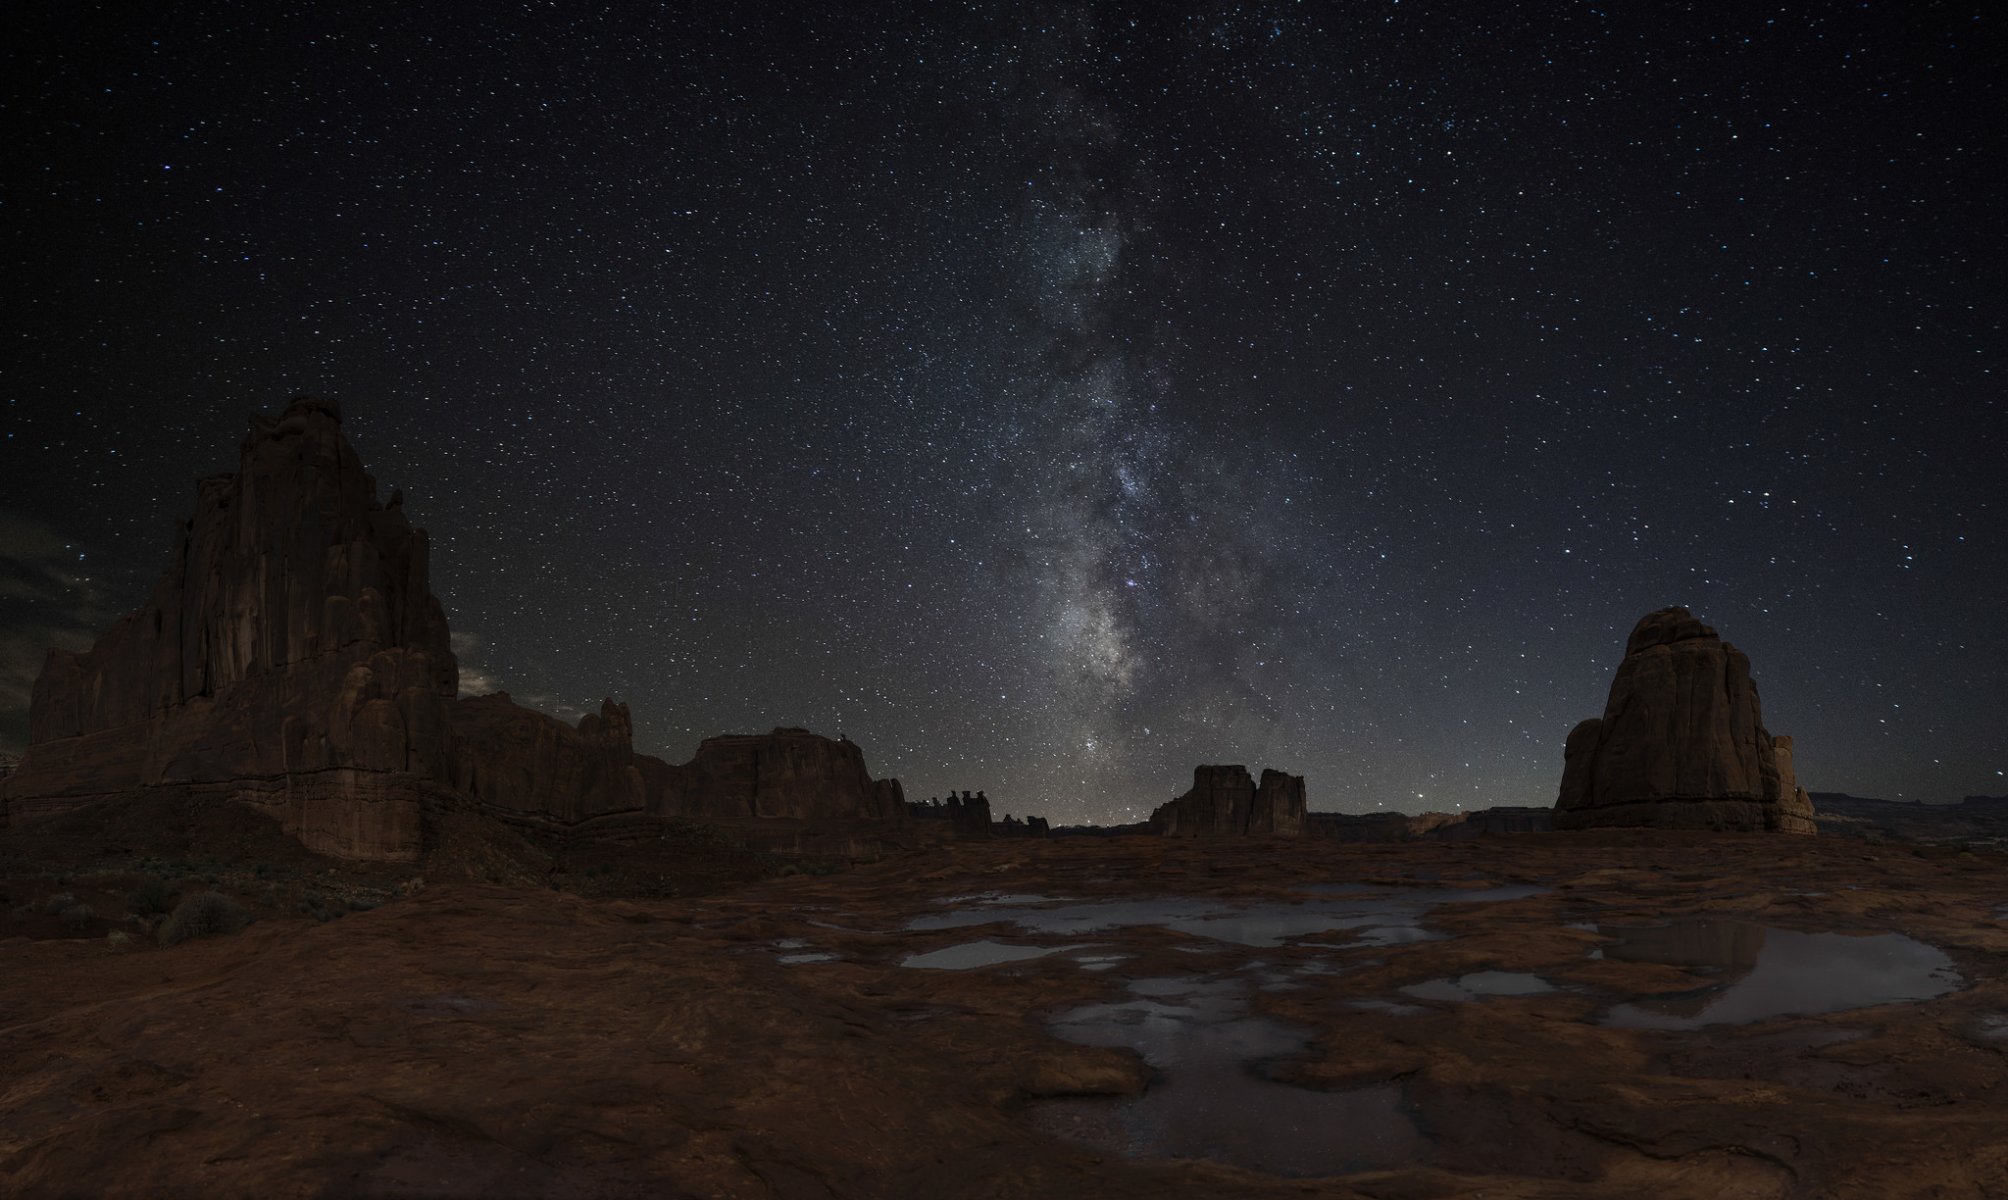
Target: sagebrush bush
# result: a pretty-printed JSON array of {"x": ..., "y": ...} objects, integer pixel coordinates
[
  {"x": 54, "y": 905},
  {"x": 205, "y": 914},
  {"x": 78, "y": 915},
  {"x": 150, "y": 899}
]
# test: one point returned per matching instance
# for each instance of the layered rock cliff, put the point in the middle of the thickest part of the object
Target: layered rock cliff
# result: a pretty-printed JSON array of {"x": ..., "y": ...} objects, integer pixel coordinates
[
  {"x": 1225, "y": 801},
  {"x": 292, "y": 656},
  {"x": 787, "y": 774},
  {"x": 1682, "y": 743}
]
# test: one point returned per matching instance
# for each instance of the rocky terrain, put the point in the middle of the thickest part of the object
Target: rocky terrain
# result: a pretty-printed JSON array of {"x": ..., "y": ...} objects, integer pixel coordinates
[
  {"x": 1682, "y": 743},
  {"x": 767, "y": 1039},
  {"x": 292, "y": 657},
  {"x": 1226, "y": 801}
]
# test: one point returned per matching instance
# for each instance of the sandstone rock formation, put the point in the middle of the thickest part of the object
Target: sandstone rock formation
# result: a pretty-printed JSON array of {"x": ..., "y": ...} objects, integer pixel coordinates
[
  {"x": 789, "y": 773},
  {"x": 1386, "y": 827},
  {"x": 1682, "y": 743},
  {"x": 293, "y": 657},
  {"x": 1224, "y": 801}
]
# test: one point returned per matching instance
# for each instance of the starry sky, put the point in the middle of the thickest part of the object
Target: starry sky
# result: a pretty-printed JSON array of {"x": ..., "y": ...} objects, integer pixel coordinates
[{"x": 1051, "y": 398}]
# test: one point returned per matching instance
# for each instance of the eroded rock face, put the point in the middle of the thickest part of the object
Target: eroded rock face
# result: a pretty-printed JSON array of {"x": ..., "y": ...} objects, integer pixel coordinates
[
  {"x": 789, "y": 773},
  {"x": 1681, "y": 744},
  {"x": 1225, "y": 801},
  {"x": 536, "y": 768},
  {"x": 291, "y": 656}
]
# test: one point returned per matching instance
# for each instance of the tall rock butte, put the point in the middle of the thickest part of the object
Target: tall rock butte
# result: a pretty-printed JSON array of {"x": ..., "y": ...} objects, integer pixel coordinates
[
  {"x": 293, "y": 657},
  {"x": 1682, "y": 743},
  {"x": 1225, "y": 801}
]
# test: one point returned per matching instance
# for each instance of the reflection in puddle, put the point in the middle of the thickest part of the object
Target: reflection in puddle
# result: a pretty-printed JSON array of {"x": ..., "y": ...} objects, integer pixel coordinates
[
  {"x": 1480, "y": 983},
  {"x": 1775, "y": 972},
  {"x": 1994, "y": 1026},
  {"x": 1392, "y": 1008},
  {"x": 1209, "y": 1101},
  {"x": 977, "y": 954},
  {"x": 1380, "y": 917},
  {"x": 1100, "y": 962}
]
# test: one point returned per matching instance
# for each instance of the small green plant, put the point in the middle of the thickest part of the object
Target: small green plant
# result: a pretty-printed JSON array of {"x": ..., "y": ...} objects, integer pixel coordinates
[
  {"x": 151, "y": 898},
  {"x": 205, "y": 914}
]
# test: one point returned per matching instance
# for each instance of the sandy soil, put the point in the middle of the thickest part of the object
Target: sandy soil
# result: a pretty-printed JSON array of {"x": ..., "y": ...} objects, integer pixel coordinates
[{"x": 476, "y": 1040}]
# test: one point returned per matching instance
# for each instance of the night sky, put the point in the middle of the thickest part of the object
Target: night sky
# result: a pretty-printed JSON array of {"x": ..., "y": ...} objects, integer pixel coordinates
[{"x": 1051, "y": 399}]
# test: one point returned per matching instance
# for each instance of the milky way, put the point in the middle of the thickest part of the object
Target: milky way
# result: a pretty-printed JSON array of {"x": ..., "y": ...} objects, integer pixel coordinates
[{"x": 1054, "y": 398}]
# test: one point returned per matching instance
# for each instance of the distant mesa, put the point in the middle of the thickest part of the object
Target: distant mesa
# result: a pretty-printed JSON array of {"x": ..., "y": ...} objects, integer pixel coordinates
[
  {"x": 1225, "y": 802},
  {"x": 293, "y": 657},
  {"x": 1682, "y": 743},
  {"x": 970, "y": 816},
  {"x": 1430, "y": 826}
]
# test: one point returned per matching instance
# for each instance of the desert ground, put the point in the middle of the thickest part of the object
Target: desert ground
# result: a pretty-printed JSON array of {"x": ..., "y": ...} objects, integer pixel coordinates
[{"x": 1559, "y": 1015}]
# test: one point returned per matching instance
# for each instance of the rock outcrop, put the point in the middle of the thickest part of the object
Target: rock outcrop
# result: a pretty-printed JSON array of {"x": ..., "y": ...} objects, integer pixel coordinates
[
  {"x": 1682, "y": 743},
  {"x": 1225, "y": 801},
  {"x": 787, "y": 774},
  {"x": 1387, "y": 827},
  {"x": 293, "y": 657}
]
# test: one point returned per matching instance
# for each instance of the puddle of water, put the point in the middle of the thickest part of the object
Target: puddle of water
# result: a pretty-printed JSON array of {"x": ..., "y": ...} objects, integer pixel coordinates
[
  {"x": 1380, "y": 917},
  {"x": 1480, "y": 983},
  {"x": 977, "y": 954},
  {"x": 995, "y": 898},
  {"x": 791, "y": 943},
  {"x": 1775, "y": 972},
  {"x": 813, "y": 957},
  {"x": 1393, "y": 1008},
  {"x": 1100, "y": 962},
  {"x": 1994, "y": 1026},
  {"x": 1210, "y": 1101}
]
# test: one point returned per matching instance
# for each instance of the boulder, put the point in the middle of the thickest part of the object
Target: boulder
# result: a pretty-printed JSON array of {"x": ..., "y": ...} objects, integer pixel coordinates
[
  {"x": 1682, "y": 743},
  {"x": 1225, "y": 801}
]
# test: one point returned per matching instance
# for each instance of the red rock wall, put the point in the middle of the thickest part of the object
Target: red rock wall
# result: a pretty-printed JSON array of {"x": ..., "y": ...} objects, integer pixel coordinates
[
  {"x": 292, "y": 656},
  {"x": 1681, "y": 743},
  {"x": 1225, "y": 801}
]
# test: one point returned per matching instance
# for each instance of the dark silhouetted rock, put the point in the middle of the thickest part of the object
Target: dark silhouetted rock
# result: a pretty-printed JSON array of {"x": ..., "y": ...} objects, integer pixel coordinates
[
  {"x": 1681, "y": 744},
  {"x": 789, "y": 773},
  {"x": 294, "y": 658},
  {"x": 533, "y": 768},
  {"x": 1225, "y": 802},
  {"x": 1378, "y": 826}
]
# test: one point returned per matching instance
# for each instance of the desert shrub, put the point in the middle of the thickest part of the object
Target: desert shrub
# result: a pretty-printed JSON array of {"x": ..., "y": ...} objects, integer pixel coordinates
[
  {"x": 205, "y": 914},
  {"x": 77, "y": 915},
  {"x": 54, "y": 905},
  {"x": 118, "y": 939},
  {"x": 151, "y": 898}
]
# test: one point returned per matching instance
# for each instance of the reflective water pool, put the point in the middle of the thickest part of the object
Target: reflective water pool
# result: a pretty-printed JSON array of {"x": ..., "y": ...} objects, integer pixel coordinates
[
  {"x": 978, "y": 954},
  {"x": 1373, "y": 916},
  {"x": 1769, "y": 972},
  {"x": 1480, "y": 983},
  {"x": 1210, "y": 1098}
]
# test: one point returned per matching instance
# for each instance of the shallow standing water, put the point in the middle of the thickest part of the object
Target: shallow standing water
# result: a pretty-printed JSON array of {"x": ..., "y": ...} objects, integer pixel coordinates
[
  {"x": 1210, "y": 1099},
  {"x": 1377, "y": 916},
  {"x": 1775, "y": 972}
]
